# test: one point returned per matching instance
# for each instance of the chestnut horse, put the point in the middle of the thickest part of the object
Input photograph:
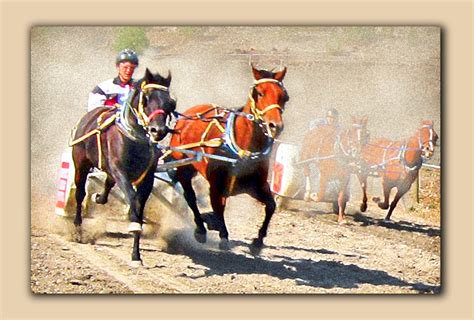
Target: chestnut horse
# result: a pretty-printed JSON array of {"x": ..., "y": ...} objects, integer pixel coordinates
[
  {"x": 336, "y": 153},
  {"x": 121, "y": 142},
  {"x": 245, "y": 135},
  {"x": 397, "y": 162}
]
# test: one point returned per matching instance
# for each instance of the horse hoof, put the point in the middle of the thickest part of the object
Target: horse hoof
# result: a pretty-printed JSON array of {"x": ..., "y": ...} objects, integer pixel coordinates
[
  {"x": 342, "y": 222},
  {"x": 363, "y": 207},
  {"x": 224, "y": 245},
  {"x": 136, "y": 264},
  {"x": 256, "y": 247},
  {"x": 95, "y": 197},
  {"x": 382, "y": 206},
  {"x": 77, "y": 237},
  {"x": 135, "y": 227},
  {"x": 200, "y": 237},
  {"x": 314, "y": 197}
]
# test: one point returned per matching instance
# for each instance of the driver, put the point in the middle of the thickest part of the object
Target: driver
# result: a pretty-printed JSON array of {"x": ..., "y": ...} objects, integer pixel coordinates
[
  {"x": 332, "y": 117},
  {"x": 115, "y": 91}
]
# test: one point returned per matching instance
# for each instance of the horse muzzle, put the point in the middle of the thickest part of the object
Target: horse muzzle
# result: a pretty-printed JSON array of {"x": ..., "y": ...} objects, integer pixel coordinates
[
  {"x": 157, "y": 133},
  {"x": 427, "y": 150},
  {"x": 273, "y": 130}
]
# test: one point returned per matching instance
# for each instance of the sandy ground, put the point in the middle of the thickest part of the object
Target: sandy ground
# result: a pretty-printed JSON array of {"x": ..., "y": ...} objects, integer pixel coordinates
[{"x": 391, "y": 75}]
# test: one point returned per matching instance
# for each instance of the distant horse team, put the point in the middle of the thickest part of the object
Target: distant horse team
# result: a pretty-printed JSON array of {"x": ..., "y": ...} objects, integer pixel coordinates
[{"x": 123, "y": 144}]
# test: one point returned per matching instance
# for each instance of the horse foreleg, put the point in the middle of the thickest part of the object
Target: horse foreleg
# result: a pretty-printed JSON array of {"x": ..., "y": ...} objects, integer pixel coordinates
[
  {"x": 386, "y": 195},
  {"x": 136, "y": 259},
  {"x": 185, "y": 179},
  {"x": 363, "y": 183},
  {"x": 218, "y": 202},
  {"x": 136, "y": 221},
  {"x": 143, "y": 193},
  {"x": 264, "y": 195}
]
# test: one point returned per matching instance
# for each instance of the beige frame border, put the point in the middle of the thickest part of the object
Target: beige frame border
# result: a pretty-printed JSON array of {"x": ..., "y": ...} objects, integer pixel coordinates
[{"x": 455, "y": 19}]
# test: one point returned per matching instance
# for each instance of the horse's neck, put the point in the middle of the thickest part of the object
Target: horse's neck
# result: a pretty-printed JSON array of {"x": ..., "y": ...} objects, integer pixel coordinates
[
  {"x": 343, "y": 137},
  {"x": 413, "y": 149},
  {"x": 132, "y": 128},
  {"x": 250, "y": 136}
]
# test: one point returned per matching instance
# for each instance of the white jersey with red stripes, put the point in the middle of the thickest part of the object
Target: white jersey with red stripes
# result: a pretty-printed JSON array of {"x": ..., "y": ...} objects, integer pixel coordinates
[{"x": 109, "y": 92}]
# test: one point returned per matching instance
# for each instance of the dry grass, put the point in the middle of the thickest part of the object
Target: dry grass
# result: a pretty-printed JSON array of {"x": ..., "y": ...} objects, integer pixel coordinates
[{"x": 429, "y": 206}]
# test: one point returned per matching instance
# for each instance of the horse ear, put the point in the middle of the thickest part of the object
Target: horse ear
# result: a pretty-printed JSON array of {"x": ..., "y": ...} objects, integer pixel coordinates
[
  {"x": 168, "y": 79},
  {"x": 427, "y": 122},
  {"x": 365, "y": 119},
  {"x": 257, "y": 74},
  {"x": 280, "y": 75},
  {"x": 148, "y": 75}
]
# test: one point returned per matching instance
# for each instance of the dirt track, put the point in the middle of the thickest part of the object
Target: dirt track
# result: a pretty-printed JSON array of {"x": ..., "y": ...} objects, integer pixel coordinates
[{"x": 306, "y": 250}]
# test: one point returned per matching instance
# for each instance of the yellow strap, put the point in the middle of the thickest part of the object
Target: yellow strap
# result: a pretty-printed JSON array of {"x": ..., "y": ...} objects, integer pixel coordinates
[{"x": 84, "y": 137}]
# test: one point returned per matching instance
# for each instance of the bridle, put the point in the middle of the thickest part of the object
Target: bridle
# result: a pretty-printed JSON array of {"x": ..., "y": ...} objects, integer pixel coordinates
[
  {"x": 429, "y": 141},
  {"x": 142, "y": 118},
  {"x": 259, "y": 114},
  {"x": 354, "y": 149}
]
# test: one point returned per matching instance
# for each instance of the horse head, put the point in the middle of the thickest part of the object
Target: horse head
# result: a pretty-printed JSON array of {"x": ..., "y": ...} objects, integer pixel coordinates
[
  {"x": 427, "y": 138},
  {"x": 267, "y": 98},
  {"x": 359, "y": 135},
  {"x": 152, "y": 104}
]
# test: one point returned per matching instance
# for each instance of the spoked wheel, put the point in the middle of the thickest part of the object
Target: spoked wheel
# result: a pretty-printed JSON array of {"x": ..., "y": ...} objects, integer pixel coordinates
[{"x": 281, "y": 202}]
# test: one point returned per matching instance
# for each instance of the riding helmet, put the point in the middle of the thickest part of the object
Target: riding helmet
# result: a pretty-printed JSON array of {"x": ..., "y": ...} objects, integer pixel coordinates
[{"x": 127, "y": 55}]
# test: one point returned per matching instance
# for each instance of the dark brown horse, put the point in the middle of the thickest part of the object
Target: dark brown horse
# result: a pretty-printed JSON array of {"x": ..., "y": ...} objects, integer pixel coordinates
[
  {"x": 397, "y": 162},
  {"x": 245, "y": 135},
  {"x": 335, "y": 153},
  {"x": 121, "y": 142}
]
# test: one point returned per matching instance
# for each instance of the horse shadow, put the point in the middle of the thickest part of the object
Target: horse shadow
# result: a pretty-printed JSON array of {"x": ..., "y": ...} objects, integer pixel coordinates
[
  {"x": 399, "y": 226},
  {"x": 318, "y": 274}
]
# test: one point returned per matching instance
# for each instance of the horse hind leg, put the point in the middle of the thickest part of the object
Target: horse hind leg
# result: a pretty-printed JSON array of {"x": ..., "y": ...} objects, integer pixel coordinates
[
  {"x": 102, "y": 198},
  {"x": 363, "y": 184},
  {"x": 342, "y": 198},
  {"x": 400, "y": 192},
  {"x": 80, "y": 179}
]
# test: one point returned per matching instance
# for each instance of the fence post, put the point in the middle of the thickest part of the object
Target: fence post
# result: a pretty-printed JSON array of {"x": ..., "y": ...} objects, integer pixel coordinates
[{"x": 418, "y": 187}]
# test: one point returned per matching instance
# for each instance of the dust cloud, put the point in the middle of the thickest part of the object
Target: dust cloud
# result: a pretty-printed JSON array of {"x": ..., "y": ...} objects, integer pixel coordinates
[{"x": 390, "y": 74}]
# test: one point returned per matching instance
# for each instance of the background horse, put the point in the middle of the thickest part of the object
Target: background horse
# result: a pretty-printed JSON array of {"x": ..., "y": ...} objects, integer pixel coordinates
[
  {"x": 397, "y": 162},
  {"x": 245, "y": 135},
  {"x": 336, "y": 153},
  {"x": 122, "y": 144}
]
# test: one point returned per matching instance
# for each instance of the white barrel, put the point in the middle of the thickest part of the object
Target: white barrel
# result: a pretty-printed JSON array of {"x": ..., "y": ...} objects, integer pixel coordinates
[
  {"x": 65, "y": 183},
  {"x": 287, "y": 178}
]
